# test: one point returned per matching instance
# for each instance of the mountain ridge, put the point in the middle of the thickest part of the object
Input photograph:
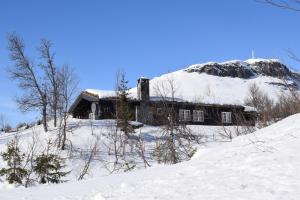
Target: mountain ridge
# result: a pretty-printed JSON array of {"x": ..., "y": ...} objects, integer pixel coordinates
[{"x": 245, "y": 69}]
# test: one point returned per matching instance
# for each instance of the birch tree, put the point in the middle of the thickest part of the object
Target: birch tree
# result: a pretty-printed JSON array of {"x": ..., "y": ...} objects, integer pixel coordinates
[
  {"x": 176, "y": 141},
  {"x": 25, "y": 73},
  {"x": 51, "y": 73},
  {"x": 68, "y": 82}
]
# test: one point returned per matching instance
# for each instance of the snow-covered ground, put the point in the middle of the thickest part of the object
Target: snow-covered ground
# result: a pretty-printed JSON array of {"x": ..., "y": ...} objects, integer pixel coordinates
[
  {"x": 262, "y": 165},
  {"x": 83, "y": 134}
]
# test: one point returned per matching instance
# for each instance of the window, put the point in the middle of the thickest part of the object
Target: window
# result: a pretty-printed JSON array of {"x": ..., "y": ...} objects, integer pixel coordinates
[
  {"x": 184, "y": 115},
  {"x": 198, "y": 116},
  {"x": 226, "y": 117}
]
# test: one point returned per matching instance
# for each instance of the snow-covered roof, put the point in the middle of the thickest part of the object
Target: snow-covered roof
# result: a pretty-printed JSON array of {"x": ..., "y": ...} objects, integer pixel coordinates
[
  {"x": 102, "y": 93},
  {"x": 110, "y": 93},
  {"x": 249, "y": 109},
  {"x": 157, "y": 98}
]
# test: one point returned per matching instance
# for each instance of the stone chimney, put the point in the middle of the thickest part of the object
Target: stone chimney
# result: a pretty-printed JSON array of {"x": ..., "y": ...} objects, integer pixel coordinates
[{"x": 143, "y": 89}]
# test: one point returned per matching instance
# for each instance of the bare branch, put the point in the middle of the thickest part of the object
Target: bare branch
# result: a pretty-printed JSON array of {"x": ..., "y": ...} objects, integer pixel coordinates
[
  {"x": 293, "y": 56},
  {"x": 293, "y": 5}
]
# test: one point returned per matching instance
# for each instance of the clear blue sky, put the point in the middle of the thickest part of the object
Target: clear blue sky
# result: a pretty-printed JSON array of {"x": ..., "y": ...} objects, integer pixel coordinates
[{"x": 142, "y": 37}]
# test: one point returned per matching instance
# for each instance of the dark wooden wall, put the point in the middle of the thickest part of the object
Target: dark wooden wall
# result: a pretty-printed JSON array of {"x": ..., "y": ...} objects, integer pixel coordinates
[
  {"x": 212, "y": 114},
  {"x": 156, "y": 113},
  {"x": 82, "y": 110}
]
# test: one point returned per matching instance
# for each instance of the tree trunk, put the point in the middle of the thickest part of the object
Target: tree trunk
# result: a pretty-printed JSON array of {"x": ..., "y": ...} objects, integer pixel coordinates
[
  {"x": 173, "y": 149},
  {"x": 64, "y": 136},
  {"x": 44, "y": 112},
  {"x": 55, "y": 116},
  {"x": 55, "y": 106}
]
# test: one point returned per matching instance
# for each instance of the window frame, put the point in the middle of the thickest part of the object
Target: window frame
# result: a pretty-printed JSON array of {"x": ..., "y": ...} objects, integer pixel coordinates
[
  {"x": 184, "y": 115},
  {"x": 198, "y": 115},
  {"x": 226, "y": 117}
]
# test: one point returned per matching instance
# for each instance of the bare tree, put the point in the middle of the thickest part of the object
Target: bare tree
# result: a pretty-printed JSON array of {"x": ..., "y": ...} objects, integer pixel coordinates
[
  {"x": 114, "y": 144},
  {"x": 52, "y": 76},
  {"x": 166, "y": 90},
  {"x": 287, "y": 104},
  {"x": 31, "y": 153},
  {"x": 175, "y": 144},
  {"x": 24, "y": 71},
  {"x": 89, "y": 159},
  {"x": 262, "y": 102},
  {"x": 120, "y": 138},
  {"x": 141, "y": 150},
  {"x": 68, "y": 82}
]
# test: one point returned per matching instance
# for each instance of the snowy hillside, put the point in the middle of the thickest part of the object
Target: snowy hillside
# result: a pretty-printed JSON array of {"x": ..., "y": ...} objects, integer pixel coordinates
[
  {"x": 84, "y": 134},
  {"x": 263, "y": 165},
  {"x": 223, "y": 83},
  {"x": 228, "y": 82}
]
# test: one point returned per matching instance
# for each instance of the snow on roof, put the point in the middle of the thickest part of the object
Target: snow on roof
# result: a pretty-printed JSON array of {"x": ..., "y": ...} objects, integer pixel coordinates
[
  {"x": 249, "y": 109},
  {"x": 109, "y": 93},
  {"x": 102, "y": 93},
  {"x": 157, "y": 98}
]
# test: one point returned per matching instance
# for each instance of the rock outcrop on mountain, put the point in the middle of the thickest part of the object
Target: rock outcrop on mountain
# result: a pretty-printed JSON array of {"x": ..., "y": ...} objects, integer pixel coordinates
[
  {"x": 227, "y": 69},
  {"x": 270, "y": 67},
  {"x": 245, "y": 69}
]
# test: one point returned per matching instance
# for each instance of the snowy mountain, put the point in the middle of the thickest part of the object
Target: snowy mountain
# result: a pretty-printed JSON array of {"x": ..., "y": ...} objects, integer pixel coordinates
[
  {"x": 258, "y": 166},
  {"x": 228, "y": 82},
  {"x": 223, "y": 83}
]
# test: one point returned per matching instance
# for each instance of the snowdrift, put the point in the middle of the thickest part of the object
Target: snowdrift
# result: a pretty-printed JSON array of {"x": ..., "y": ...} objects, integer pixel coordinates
[{"x": 262, "y": 165}]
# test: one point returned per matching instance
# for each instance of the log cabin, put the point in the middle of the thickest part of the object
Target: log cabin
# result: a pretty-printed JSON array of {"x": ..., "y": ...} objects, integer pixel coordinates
[{"x": 156, "y": 110}]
